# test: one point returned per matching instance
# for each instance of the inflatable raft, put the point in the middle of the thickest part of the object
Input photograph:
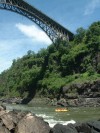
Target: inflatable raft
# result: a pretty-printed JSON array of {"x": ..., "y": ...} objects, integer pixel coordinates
[{"x": 61, "y": 110}]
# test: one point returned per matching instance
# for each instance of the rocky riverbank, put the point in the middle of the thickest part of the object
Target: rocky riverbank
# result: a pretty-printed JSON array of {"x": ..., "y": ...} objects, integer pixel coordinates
[
  {"x": 13, "y": 100},
  {"x": 25, "y": 122},
  {"x": 79, "y": 102},
  {"x": 77, "y": 95},
  {"x": 85, "y": 94}
]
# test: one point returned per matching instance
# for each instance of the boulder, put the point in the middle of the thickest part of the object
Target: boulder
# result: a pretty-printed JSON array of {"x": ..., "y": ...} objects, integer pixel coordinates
[
  {"x": 65, "y": 89},
  {"x": 32, "y": 124},
  {"x": 82, "y": 127},
  {"x": 94, "y": 125},
  {"x": 21, "y": 122},
  {"x": 62, "y": 102},
  {"x": 89, "y": 127},
  {"x": 58, "y": 128},
  {"x": 2, "y": 107},
  {"x": 4, "y": 130},
  {"x": 10, "y": 119},
  {"x": 2, "y": 112},
  {"x": 7, "y": 120},
  {"x": 94, "y": 131},
  {"x": 12, "y": 100}
]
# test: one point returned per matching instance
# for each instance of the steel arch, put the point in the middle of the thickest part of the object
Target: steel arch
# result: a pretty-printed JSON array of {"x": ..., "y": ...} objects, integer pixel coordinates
[{"x": 53, "y": 29}]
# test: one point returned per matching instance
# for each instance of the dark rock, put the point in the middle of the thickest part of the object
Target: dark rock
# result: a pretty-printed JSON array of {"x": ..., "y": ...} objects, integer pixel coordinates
[
  {"x": 94, "y": 131},
  {"x": 62, "y": 104},
  {"x": 58, "y": 128},
  {"x": 89, "y": 127},
  {"x": 82, "y": 127},
  {"x": 12, "y": 100},
  {"x": 78, "y": 86},
  {"x": 84, "y": 90},
  {"x": 95, "y": 125},
  {"x": 96, "y": 94},
  {"x": 71, "y": 96},
  {"x": 53, "y": 102},
  {"x": 65, "y": 89}
]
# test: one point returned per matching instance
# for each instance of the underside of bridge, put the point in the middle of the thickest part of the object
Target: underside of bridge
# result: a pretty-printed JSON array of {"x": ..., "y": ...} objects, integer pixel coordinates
[{"x": 53, "y": 29}]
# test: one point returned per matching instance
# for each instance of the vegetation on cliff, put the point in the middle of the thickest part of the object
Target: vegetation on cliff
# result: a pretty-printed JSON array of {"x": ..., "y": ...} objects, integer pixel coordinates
[{"x": 62, "y": 63}]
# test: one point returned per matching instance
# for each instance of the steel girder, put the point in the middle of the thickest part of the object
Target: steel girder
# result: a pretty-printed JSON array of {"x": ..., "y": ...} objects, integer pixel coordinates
[{"x": 53, "y": 29}]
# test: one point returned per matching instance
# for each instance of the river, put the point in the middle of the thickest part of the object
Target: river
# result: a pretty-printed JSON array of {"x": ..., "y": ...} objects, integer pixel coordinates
[{"x": 48, "y": 113}]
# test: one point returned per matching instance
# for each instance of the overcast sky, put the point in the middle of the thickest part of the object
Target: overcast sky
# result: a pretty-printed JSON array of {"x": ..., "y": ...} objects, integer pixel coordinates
[{"x": 18, "y": 34}]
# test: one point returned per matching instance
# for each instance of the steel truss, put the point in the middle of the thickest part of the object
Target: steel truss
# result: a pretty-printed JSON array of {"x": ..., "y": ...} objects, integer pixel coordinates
[{"x": 53, "y": 29}]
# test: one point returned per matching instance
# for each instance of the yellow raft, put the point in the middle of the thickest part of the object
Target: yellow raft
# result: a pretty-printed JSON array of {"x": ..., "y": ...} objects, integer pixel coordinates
[{"x": 61, "y": 110}]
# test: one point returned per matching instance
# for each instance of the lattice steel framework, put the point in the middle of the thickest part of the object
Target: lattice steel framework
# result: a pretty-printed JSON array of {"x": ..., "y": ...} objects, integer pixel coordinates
[{"x": 53, "y": 29}]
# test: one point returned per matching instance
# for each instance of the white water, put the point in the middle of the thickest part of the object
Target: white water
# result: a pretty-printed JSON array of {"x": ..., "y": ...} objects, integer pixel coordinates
[{"x": 52, "y": 121}]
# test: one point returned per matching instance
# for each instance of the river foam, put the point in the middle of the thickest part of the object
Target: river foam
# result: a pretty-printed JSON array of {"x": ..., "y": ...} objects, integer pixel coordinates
[{"x": 53, "y": 122}]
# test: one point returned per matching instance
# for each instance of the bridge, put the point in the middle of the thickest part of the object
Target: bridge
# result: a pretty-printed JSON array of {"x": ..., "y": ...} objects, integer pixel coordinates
[{"x": 53, "y": 29}]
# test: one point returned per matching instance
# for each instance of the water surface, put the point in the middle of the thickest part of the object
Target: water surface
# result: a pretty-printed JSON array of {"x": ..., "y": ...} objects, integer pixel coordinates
[{"x": 73, "y": 115}]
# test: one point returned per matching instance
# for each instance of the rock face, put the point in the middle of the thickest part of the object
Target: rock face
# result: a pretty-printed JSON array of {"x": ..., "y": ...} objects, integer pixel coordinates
[
  {"x": 82, "y": 94},
  {"x": 78, "y": 94},
  {"x": 85, "y": 90},
  {"x": 21, "y": 122}
]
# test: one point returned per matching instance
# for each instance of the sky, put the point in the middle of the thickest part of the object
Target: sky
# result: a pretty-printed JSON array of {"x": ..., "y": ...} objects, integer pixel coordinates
[{"x": 19, "y": 34}]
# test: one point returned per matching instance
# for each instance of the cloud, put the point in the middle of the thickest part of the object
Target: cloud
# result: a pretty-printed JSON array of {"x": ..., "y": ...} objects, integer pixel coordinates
[
  {"x": 12, "y": 49},
  {"x": 34, "y": 33},
  {"x": 9, "y": 50},
  {"x": 90, "y": 8},
  {"x": 15, "y": 48}
]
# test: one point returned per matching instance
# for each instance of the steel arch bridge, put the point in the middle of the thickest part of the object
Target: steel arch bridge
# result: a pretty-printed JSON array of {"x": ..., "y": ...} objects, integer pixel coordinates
[{"x": 53, "y": 29}]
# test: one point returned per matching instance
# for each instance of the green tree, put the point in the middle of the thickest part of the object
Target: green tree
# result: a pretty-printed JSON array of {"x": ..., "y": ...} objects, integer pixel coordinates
[{"x": 79, "y": 36}]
